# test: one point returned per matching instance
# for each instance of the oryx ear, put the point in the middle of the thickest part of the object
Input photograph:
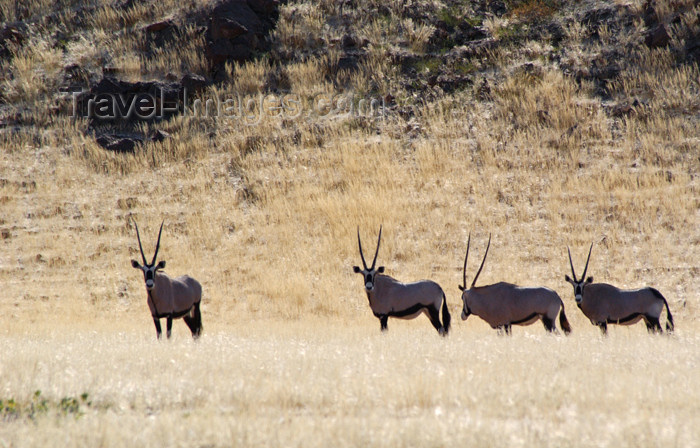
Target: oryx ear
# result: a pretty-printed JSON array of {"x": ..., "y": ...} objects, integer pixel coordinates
[
  {"x": 135, "y": 264},
  {"x": 589, "y": 280},
  {"x": 461, "y": 288},
  {"x": 356, "y": 269},
  {"x": 568, "y": 279},
  {"x": 380, "y": 269},
  {"x": 161, "y": 264}
]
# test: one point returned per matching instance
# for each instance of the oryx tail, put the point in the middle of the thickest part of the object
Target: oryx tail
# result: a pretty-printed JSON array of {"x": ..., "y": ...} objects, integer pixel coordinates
[
  {"x": 563, "y": 321},
  {"x": 669, "y": 318},
  {"x": 446, "y": 318}
]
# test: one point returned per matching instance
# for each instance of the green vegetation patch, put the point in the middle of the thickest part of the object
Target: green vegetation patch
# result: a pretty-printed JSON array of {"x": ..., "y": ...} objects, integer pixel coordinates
[
  {"x": 11, "y": 409},
  {"x": 428, "y": 65}
]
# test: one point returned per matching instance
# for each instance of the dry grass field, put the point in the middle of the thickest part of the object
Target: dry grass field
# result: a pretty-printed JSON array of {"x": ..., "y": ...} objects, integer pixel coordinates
[{"x": 265, "y": 217}]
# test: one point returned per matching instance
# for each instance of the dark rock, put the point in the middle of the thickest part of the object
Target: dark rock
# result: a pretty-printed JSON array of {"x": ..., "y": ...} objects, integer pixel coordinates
[
  {"x": 75, "y": 79},
  {"x": 12, "y": 35},
  {"x": 159, "y": 26},
  {"x": 16, "y": 33},
  {"x": 347, "y": 63},
  {"x": 596, "y": 17},
  {"x": 622, "y": 110},
  {"x": 226, "y": 28},
  {"x": 117, "y": 143},
  {"x": 223, "y": 50},
  {"x": 129, "y": 4},
  {"x": 605, "y": 71},
  {"x": 237, "y": 11},
  {"x": 237, "y": 30},
  {"x": 649, "y": 15},
  {"x": 657, "y": 37},
  {"x": 160, "y": 33},
  {"x": 264, "y": 7},
  {"x": 449, "y": 82},
  {"x": 348, "y": 41},
  {"x": 692, "y": 49},
  {"x": 115, "y": 100},
  {"x": 192, "y": 82},
  {"x": 497, "y": 8},
  {"x": 467, "y": 32},
  {"x": 159, "y": 135},
  {"x": 556, "y": 33}
]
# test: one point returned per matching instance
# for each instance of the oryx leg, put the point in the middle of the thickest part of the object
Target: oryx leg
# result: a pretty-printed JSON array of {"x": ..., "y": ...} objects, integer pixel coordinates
[
  {"x": 434, "y": 315},
  {"x": 169, "y": 325},
  {"x": 159, "y": 331},
  {"x": 603, "y": 327},
  {"x": 653, "y": 324},
  {"x": 194, "y": 321},
  {"x": 549, "y": 324},
  {"x": 503, "y": 329},
  {"x": 383, "y": 319},
  {"x": 198, "y": 319},
  {"x": 189, "y": 320}
]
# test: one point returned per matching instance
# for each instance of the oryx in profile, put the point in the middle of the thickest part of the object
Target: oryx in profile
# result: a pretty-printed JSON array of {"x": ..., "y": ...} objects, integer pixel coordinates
[
  {"x": 605, "y": 304},
  {"x": 171, "y": 298},
  {"x": 389, "y": 297},
  {"x": 504, "y": 304}
]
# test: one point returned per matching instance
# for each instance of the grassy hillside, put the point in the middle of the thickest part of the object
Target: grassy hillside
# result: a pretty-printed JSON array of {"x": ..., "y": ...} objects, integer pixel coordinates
[{"x": 547, "y": 124}]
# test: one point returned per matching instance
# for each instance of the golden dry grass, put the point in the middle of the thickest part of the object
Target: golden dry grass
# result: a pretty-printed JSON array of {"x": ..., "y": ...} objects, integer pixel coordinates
[
  {"x": 265, "y": 216},
  {"x": 316, "y": 383}
]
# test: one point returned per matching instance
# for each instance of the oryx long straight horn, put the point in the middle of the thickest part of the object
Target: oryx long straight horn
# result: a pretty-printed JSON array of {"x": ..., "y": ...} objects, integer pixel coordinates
[
  {"x": 169, "y": 298},
  {"x": 389, "y": 297}
]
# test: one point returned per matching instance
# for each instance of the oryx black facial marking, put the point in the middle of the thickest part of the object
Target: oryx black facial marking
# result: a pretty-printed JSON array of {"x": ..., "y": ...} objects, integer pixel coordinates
[
  {"x": 390, "y": 298},
  {"x": 502, "y": 304},
  {"x": 605, "y": 304},
  {"x": 169, "y": 298}
]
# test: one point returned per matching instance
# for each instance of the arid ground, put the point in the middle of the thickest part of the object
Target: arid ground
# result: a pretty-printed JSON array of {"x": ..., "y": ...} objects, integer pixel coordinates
[{"x": 544, "y": 123}]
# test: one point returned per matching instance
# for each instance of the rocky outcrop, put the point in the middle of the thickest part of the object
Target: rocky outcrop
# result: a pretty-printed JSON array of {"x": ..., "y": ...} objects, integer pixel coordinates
[{"x": 237, "y": 29}]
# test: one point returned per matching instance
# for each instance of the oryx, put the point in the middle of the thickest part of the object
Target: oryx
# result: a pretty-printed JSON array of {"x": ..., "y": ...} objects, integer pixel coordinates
[
  {"x": 171, "y": 298},
  {"x": 605, "y": 304},
  {"x": 504, "y": 304},
  {"x": 389, "y": 297}
]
